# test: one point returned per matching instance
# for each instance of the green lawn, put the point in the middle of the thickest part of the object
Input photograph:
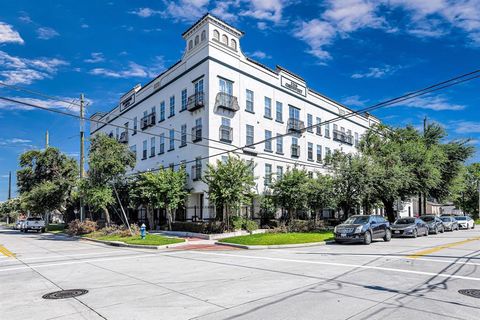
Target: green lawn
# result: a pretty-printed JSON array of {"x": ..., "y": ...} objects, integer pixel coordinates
[
  {"x": 56, "y": 227},
  {"x": 150, "y": 239},
  {"x": 477, "y": 221},
  {"x": 280, "y": 238}
]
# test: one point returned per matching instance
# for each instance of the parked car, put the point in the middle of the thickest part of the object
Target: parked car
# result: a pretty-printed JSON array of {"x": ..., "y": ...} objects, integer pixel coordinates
[
  {"x": 409, "y": 227},
  {"x": 363, "y": 229},
  {"x": 449, "y": 222},
  {"x": 33, "y": 223},
  {"x": 435, "y": 224},
  {"x": 18, "y": 224},
  {"x": 465, "y": 222}
]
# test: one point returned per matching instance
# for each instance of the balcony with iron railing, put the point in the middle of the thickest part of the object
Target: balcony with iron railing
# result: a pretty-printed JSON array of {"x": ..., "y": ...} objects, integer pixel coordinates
[
  {"x": 123, "y": 137},
  {"x": 196, "y": 172},
  {"x": 295, "y": 150},
  {"x": 226, "y": 101},
  {"x": 195, "y": 101},
  {"x": 197, "y": 133},
  {"x": 342, "y": 137},
  {"x": 226, "y": 134},
  {"x": 295, "y": 125},
  {"x": 148, "y": 121}
]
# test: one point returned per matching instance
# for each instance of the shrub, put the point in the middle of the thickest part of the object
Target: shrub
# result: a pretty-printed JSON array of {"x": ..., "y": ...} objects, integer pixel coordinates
[
  {"x": 121, "y": 231},
  {"x": 250, "y": 225},
  {"x": 77, "y": 227},
  {"x": 237, "y": 222},
  {"x": 215, "y": 227},
  {"x": 197, "y": 227}
]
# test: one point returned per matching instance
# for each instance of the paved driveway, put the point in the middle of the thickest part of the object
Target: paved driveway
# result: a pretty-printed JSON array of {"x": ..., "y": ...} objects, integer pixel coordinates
[{"x": 406, "y": 278}]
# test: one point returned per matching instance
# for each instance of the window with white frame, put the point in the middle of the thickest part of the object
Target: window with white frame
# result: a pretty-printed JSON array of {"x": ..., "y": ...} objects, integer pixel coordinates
[
  {"x": 216, "y": 35},
  {"x": 268, "y": 140},
  {"x": 279, "y": 172},
  {"x": 162, "y": 143},
  {"x": 279, "y": 141},
  {"x": 268, "y": 174},
  {"x": 144, "y": 150},
  {"x": 279, "y": 111},
  {"x": 249, "y": 135},
  {"x": 310, "y": 151},
  {"x": 198, "y": 86},
  {"x": 171, "y": 138},
  {"x": 319, "y": 126},
  {"x": 183, "y": 135},
  {"x": 135, "y": 125},
  {"x": 268, "y": 107},
  {"x": 309, "y": 123},
  {"x": 226, "y": 86},
  {"x": 319, "y": 153},
  {"x": 162, "y": 111},
  {"x": 184, "y": 100},
  {"x": 172, "y": 106},
  {"x": 356, "y": 139},
  {"x": 327, "y": 130},
  {"x": 133, "y": 149},
  {"x": 249, "y": 100},
  {"x": 152, "y": 147}
]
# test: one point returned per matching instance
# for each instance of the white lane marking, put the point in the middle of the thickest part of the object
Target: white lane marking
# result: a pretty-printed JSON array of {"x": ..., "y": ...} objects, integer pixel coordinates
[
  {"x": 30, "y": 266},
  {"x": 346, "y": 265}
]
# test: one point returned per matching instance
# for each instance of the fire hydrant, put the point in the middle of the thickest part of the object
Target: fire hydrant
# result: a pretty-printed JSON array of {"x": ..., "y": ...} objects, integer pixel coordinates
[{"x": 143, "y": 231}]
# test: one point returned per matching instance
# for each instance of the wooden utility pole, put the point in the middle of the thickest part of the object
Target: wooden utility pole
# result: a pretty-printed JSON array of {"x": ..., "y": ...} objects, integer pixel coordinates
[
  {"x": 82, "y": 156},
  {"x": 424, "y": 202},
  {"x": 9, "y": 185}
]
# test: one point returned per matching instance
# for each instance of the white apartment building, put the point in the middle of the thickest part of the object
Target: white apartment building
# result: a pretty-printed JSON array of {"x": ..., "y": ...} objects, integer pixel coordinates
[{"x": 217, "y": 99}]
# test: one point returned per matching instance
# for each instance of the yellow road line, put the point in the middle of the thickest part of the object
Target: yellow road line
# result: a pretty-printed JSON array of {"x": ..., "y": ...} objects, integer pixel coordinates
[
  {"x": 6, "y": 252},
  {"x": 441, "y": 247}
]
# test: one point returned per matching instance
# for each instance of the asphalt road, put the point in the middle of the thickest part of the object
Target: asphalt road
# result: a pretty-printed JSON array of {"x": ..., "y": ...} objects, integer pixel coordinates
[{"x": 380, "y": 281}]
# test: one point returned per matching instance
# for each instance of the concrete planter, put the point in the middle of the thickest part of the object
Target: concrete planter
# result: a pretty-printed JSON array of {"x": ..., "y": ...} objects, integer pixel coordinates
[{"x": 280, "y": 246}]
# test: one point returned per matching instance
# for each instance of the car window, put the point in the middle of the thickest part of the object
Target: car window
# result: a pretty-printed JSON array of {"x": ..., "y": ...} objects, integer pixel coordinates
[
  {"x": 460, "y": 218},
  {"x": 357, "y": 220},
  {"x": 405, "y": 221},
  {"x": 34, "y": 219},
  {"x": 427, "y": 219},
  {"x": 445, "y": 219}
]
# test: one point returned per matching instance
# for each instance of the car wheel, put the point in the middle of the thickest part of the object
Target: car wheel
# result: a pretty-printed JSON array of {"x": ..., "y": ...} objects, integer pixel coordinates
[
  {"x": 367, "y": 238},
  {"x": 415, "y": 233},
  {"x": 473, "y": 226},
  {"x": 388, "y": 235}
]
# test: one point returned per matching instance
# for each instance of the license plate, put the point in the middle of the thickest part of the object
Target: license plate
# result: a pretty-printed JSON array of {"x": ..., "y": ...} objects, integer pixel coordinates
[
  {"x": 343, "y": 235},
  {"x": 396, "y": 231}
]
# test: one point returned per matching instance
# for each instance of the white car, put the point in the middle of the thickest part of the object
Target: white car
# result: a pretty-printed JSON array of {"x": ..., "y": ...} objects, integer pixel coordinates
[
  {"x": 33, "y": 223},
  {"x": 465, "y": 222}
]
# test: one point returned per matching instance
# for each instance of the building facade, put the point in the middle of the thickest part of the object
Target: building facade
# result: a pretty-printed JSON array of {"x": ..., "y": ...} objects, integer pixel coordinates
[{"x": 215, "y": 99}]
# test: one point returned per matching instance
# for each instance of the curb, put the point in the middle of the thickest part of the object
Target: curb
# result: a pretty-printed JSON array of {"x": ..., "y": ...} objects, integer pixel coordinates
[
  {"x": 137, "y": 246},
  {"x": 279, "y": 246}
]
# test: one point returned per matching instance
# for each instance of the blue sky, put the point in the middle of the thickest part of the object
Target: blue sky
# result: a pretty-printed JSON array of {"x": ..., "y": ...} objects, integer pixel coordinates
[{"x": 358, "y": 52}]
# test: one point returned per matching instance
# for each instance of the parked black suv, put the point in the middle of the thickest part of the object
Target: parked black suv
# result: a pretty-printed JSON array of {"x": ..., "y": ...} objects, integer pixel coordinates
[{"x": 363, "y": 229}]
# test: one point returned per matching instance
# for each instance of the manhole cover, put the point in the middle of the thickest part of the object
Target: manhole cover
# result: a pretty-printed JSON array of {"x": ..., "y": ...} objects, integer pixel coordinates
[
  {"x": 475, "y": 293},
  {"x": 64, "y": 294}
]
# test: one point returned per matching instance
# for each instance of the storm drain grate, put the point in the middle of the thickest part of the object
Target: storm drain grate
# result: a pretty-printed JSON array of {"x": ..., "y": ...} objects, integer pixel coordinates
[
  {"x": 474, "y": 293},
  {"x": 65, "y": 294}
]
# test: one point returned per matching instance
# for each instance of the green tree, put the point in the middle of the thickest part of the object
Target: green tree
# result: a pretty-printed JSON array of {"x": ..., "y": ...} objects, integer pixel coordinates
[
  {"x": 164, "y": 189},
  {"x": 291, "y": 192},
  {"x": 351, "y": 180},
  {"x": 108, "y": 161},
  {"x": 320, "y": 193},
  {"x": 10, "y": 208},
  {"x": 46, "y": 180},
  {"x": 230, "y": 184},
  {"x": 465, "y": 192}
]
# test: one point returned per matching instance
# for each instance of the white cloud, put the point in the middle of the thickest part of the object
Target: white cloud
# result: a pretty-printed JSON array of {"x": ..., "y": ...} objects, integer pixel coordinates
[
  {"x": 46, "y": 33},
  {"x": 17, "y": 70},
  {"x": 436, "y": 103},
  {"x": 317, "y": 34},
  {"x": 44, "y": 103},
  {"x": 8, "y": 34},
  {"x": 260, "y": 55},
  {"x": 15, "y": 142},
  {"x": 185, "y": 10},
  {"x": 84, "y": 26},
  {"x": 376, "y": 72},
  {"x": 465, "y": 126},
  {"x": 223, "y": 10},
  {"x": 95, "y": 57},
  {"x": 270, "y": 10},
  {"x": 134, "y": 70},
  {"x": 145, "y": 12},
  {"x": 354, "y": 101}
]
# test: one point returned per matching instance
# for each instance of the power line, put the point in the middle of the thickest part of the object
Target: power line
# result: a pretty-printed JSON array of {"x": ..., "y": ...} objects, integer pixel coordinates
[{"x": 435, "y": 87}]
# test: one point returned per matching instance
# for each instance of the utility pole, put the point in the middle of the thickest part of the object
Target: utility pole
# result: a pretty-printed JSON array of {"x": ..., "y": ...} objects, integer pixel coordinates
[
  {"x": 47, "y": 139},
  {"x": 9, "y": 185},
  {"x": 82, "y": 143},
  {"x": 424, "y": 194}
]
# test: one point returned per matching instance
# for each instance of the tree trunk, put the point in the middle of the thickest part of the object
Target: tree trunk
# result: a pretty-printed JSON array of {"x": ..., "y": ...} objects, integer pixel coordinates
[
  {"x": 107, "y": 216},
  {"x": 169, "y": 219},
  {"x": 389, "y": 210}
]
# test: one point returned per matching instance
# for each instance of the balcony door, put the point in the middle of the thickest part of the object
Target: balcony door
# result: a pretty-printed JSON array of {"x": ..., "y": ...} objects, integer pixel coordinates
[
  {"x": 294, "y": 113},
  {"x": 226, "y": 86}
]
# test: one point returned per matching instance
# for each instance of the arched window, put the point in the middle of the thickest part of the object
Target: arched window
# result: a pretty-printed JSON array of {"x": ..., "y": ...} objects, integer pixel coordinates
[
  {"x": 203, "y": 36},
  {"x": 225, "y": 39},
  {"x": 190, "y": 45},
  {"x": 233, "y": 44},
  {"x": 197, "y": 40},
  {"x": 216, "y": 35}
]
